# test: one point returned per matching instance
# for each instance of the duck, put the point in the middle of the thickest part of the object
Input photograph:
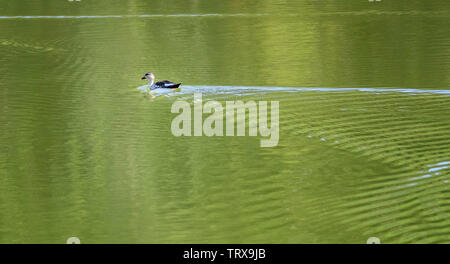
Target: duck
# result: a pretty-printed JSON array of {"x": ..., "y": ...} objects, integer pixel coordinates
[{"x": 163, "y": 84}]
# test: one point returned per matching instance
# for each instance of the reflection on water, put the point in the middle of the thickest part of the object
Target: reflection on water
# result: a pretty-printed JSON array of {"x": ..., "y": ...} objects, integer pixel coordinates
[{"x": 364, "y": 146}]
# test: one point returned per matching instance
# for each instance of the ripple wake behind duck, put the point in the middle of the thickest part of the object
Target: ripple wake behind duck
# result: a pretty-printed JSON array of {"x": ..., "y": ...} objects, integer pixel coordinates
[{"x": 245, "y": 90}]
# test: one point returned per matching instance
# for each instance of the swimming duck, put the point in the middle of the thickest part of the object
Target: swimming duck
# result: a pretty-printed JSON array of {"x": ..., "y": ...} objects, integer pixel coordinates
[{"x": 164, "y": 84}]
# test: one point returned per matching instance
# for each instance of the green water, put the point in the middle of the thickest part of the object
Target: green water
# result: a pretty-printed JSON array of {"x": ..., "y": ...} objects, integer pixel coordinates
[{"x": 85, "y": 154}]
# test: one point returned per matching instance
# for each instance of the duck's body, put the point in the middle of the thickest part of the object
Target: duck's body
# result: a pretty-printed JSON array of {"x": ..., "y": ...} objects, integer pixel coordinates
[{"x": 163, "y": 84}]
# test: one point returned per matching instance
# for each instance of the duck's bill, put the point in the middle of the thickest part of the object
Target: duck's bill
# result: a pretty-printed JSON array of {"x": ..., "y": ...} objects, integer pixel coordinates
[{"x": 143, "y": 78}]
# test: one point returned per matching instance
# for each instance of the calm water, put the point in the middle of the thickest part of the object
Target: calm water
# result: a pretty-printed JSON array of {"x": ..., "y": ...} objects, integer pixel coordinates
[{"x": 84, "y": 153}]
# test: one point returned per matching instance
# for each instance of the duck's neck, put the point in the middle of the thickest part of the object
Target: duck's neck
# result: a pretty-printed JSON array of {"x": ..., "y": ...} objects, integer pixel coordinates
[{"x": 151, "y": 81}]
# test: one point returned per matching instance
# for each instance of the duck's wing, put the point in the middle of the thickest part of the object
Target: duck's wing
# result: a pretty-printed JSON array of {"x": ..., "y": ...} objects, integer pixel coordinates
[{"x": 167, "y": 84}]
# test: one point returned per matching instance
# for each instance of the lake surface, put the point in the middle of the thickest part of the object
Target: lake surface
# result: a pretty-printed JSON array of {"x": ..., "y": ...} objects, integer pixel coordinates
[{"x": 84, "y": 153}]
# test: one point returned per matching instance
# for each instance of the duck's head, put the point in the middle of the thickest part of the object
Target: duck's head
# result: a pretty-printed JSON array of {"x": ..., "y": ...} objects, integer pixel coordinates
[{"x": 148, "y": 76}]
